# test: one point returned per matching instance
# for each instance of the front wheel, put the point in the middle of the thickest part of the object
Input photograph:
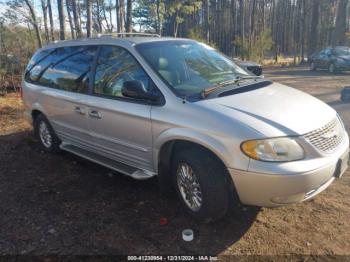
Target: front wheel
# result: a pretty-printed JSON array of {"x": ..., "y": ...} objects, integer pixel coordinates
[
  {"x": 202, "y": 184},
  {"x": 312, "y": 66},
  {"x": 331, "y": 68}
]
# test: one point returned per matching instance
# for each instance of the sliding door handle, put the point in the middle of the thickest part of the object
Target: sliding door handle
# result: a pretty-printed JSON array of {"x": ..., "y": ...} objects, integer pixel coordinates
[{"x": 79, "y": 110}]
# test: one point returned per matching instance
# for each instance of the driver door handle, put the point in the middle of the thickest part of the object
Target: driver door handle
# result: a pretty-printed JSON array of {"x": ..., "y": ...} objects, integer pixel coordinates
[{"x": 95, "y": 114}]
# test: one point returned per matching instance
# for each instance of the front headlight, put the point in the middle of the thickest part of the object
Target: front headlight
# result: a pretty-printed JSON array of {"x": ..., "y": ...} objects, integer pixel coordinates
[{"x": 281, "y": 149}]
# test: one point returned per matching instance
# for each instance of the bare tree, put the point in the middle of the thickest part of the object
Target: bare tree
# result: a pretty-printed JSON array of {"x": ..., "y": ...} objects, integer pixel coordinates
[
  {"x": 206, "y": 17},
  {"x": 70, "y": 20},
  {"x": 76, "y": 19},
  {"x": 98, "y": 26},
  {"x": 88, "y": 18},
  {"x": 34, "y": 22},
  {"x": 51, "y": 19},
  {"x": 314, "y": 27},
  {"x": 44, "y": 8},
  {"x": 117, "y": 15},
  {"x": 61, "y": 18},
  {"x": 241, "y": 23},
  {"x": 340, "y": 23},
  {"x": 121, "y": 15},
  {"x": 128, "y": 24}
]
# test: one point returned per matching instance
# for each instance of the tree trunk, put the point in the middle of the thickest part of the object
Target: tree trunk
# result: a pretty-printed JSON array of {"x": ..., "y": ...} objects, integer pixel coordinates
[
  {"x": 51, "y": 20},
  {"x": 88, "y": 18},
  {"x": 98, "y": 16},
  {"x": 340, "y": 23},
  {"x": 128, "y": 25},
  {"x": 34, "y": 23},
  {"x": 117, "y": 13},
  {"x": 70, "y": 19},
  {"x": 159, "y": 22},
  {"x": 206, "y": 19},
  {"x": 242, "y": 33},
  {"x": 76, "y": 19},
  {"x": 302, "y": 31},
  {"x": 313, "y": 35},
  {"x": 110, "y": 15},
  {"x": 252, "y": 22},
  {"x": 121, "y": 15},
  {"x": 61, "y": 18},
  {"x": 44, "y": 8},
  {"x": 105, "y": 17}
]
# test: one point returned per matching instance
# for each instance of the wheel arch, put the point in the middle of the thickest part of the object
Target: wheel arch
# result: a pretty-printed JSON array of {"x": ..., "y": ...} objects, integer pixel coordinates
[
  {"x": 35, "y": 113},
  {"x": 36, "y": 110},
  {"x": 166, "y": 148}
]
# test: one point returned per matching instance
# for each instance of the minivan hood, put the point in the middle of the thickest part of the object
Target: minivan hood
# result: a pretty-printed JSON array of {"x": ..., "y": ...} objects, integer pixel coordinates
[{"x": 275, "y": 110}]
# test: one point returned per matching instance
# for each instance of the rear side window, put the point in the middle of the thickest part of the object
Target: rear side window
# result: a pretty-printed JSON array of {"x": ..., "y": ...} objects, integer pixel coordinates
[
  {"x": 66, "y": 68},
  {"x": 72, "y": 72}
]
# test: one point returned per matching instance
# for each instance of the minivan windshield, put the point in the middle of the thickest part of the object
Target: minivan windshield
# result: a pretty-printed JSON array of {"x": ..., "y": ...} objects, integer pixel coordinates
[{"x": 190, "y": 67}]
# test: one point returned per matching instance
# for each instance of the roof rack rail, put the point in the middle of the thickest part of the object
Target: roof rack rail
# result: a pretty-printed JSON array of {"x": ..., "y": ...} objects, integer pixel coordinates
[{"x": 127, "y": 35}]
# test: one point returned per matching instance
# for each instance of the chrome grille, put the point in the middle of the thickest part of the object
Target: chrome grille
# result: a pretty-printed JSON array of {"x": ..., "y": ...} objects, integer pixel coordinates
[{"x": 327, "y": 138}]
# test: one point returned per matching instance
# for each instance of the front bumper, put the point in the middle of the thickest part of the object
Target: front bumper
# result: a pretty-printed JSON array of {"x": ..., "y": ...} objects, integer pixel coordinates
[{"x": 271, "y": 190}]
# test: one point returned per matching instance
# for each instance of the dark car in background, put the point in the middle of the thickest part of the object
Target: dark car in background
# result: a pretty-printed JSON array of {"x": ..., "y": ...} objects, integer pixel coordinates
[
  {"x": 334, "y": 59},
  {"x": 253, "y": 67}
]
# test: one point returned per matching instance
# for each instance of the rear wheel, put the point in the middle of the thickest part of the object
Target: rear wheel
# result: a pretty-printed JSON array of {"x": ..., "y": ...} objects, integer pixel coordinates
[
  {"x": 44, "y": 132},
  {"x": 202, "y": 184}
]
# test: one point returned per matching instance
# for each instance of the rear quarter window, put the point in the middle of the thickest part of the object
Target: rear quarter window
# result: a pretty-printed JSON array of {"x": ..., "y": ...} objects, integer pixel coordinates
[
  {"x": 72, "y": 72},
  {"x": 65, "y": 68},
  {"x": 37, "y": 64}
]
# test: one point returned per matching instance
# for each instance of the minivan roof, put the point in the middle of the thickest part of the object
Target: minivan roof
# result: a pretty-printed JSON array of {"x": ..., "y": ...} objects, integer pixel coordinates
[{"x": 110, "y": 40}]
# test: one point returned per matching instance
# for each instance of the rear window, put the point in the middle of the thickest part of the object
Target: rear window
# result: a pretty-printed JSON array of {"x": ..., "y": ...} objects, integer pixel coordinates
[{"x": 66, "y": 68}]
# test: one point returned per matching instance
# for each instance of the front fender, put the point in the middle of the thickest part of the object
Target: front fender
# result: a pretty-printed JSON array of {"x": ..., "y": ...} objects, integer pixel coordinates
[{"x": 214, "y": 145}]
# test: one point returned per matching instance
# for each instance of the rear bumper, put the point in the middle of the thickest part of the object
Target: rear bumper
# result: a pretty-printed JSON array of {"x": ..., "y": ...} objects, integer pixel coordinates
[{"x": 271, "y": 190}]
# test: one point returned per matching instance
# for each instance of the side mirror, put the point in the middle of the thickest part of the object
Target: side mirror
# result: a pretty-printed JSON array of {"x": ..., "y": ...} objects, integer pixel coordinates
[{"x": 136, "y": 89}]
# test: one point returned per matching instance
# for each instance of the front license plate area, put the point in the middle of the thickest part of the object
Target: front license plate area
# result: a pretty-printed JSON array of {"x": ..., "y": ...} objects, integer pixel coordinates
[{"x": 342, "y": 165}]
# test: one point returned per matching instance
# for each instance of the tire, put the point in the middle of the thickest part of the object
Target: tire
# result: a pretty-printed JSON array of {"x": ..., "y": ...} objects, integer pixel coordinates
[
  {"x": 49, "y": 141},
  {"x": 345, "y": 96},
  {"x": 213, "y": 180},
  {"x": 331, "y": 68},
  {"x": 312, "y": 66}
]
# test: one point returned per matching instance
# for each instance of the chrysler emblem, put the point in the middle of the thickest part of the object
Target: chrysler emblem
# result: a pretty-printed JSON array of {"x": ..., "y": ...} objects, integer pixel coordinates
[{"x": 330, "y": 134}]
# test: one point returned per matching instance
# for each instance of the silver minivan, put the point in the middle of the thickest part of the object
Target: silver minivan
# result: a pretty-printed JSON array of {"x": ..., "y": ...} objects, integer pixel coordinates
[{"x": 179, "y": 110}]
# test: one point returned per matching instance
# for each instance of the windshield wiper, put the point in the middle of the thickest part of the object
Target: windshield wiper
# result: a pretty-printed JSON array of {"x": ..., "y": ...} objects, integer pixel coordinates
[
  {"x": 242, "y": 78},
  {"x": 238, "y": 79}
]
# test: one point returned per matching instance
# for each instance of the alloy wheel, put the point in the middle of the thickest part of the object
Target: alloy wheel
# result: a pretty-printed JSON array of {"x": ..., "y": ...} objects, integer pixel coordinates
[
  {"x": 45, "y": 135},
  {"x": 189, "y": 187}
]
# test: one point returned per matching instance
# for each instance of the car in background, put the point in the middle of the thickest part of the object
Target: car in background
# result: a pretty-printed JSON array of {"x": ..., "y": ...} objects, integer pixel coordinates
[
  {"x": 334, "y": 59},
  {"x": 253, "y": 67}
]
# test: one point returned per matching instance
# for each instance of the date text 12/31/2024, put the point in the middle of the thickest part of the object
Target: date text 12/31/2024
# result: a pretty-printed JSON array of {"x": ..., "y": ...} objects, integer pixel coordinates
[{"x": 172, "y": 258}]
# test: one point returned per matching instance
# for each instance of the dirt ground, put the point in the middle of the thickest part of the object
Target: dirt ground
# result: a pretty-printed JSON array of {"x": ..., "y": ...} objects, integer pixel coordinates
[{"x": 63, "y": 205}]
